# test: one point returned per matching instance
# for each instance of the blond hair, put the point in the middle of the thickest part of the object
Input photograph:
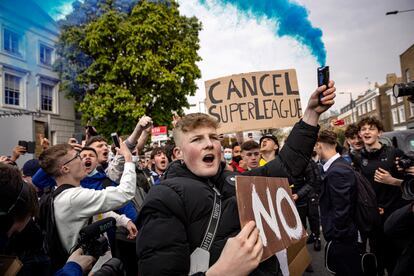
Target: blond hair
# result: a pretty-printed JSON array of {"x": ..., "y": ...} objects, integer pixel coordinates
[{"x": 193, "y": 121}]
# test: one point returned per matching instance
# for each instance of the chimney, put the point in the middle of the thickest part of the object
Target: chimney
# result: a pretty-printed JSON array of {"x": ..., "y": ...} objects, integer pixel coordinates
[{"x": 391, "y": 79}]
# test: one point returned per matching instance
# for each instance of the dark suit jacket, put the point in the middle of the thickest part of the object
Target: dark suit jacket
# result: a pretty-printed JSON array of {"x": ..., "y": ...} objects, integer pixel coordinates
[{"x": 337, "y": 203}]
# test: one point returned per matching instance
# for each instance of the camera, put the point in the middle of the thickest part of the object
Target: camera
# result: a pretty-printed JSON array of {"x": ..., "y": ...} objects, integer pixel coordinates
[
  {"x": 407, "y": 187},
  {"x": 406, "y": 161},
  {"x": 91, "y": 237},
  {"x": 403, "y": 89}
]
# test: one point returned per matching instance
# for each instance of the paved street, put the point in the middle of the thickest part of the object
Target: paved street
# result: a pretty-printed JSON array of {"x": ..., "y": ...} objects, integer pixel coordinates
[{"x": 317, "y": 261}]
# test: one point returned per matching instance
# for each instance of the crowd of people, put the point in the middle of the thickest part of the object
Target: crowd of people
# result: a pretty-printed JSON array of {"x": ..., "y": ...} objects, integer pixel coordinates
[{"x": 136, "y": 210}]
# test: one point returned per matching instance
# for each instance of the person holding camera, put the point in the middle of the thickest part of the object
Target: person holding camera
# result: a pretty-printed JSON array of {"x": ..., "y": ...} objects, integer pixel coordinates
[
  {"x": 377, "y": 164},
  {"x": 77, "y": 264},
  {"x": 400, "y": 224}
]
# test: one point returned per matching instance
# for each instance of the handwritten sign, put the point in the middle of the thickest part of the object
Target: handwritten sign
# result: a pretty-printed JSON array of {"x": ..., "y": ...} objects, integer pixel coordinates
[
  {"x": 268, "y": 201},
  {"x": 259, "y": 100}
]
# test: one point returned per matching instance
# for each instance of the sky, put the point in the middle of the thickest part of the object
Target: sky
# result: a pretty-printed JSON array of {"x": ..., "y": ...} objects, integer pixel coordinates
[
  {"x": 362, "y": 43},
  {"x": 354, "y": 37}
]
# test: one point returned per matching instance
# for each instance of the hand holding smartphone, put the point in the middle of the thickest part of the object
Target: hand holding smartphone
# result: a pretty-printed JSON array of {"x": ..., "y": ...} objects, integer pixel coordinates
[{"x": 323, "y": 79}]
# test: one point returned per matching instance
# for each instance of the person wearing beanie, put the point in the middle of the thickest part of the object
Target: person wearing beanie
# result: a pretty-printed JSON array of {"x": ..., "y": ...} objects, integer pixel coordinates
[
  {"x": 29, "y": 169},
  {"x": 269, "y": 148}
]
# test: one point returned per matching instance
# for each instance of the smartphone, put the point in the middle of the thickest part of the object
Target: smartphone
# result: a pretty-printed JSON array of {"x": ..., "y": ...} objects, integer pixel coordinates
[
  {"x": 115, "y": 139},
  {"x": 31, "y": 147},
  {"x": 323, "y": 78},
  {"x": 79, "y": 137},
  {"x": 23, "y": 144}
]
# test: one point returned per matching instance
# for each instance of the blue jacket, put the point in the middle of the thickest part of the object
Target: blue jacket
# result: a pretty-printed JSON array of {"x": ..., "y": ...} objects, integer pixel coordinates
[{"x": 70, "y": 269}]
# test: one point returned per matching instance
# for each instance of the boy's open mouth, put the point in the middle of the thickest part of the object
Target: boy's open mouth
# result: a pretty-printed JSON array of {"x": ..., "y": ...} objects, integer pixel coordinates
[
  {"x": 208, "y": 158},
  {"x": 88, "y": 164}
]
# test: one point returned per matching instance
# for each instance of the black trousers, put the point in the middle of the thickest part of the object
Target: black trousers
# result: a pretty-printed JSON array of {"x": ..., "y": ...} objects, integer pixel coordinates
[
  {"x": 343, "y": 258},
  {"x": 385, "y": 249},
  {"x": 310, "y": 210}
]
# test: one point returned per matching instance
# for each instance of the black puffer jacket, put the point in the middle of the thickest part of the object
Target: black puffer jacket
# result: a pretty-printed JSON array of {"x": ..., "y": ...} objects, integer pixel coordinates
[{"x": 176, "y": 213}]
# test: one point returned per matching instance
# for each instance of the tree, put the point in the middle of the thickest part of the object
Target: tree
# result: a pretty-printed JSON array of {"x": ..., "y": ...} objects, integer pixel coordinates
[
  {"x": 72, "y": 61},
  {"x": 133, "y": 64}
]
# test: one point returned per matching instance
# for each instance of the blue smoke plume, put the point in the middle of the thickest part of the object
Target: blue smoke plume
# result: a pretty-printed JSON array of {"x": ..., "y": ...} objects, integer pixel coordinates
[
  {"x": 292, "y": 21},
  {"x": 75, "y": 12},
  {"x": 292, "y": 18},
  {"x": 55, "y": 8}
]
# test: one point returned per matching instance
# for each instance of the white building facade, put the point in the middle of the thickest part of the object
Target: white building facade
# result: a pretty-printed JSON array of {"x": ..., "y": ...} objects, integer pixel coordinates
[{"x": 31, "y": 106}]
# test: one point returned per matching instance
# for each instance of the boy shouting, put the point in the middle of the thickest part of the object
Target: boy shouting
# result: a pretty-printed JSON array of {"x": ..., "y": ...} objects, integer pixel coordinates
[{"x": 176, "y": 213}]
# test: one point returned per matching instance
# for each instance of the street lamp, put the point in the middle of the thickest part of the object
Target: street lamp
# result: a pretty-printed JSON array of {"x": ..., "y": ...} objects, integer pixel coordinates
[
  {"x": 352, "y": 105},
  {"x": 395, "y": 12}
]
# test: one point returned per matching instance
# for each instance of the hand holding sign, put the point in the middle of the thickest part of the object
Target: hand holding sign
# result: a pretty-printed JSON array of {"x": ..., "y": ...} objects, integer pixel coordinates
[
  {"x": 241, "y": 254},
  {"x": 268, "y": 201}
]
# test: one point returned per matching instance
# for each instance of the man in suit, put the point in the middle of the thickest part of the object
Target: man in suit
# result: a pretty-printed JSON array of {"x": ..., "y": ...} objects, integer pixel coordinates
[{"x": 337, "y": 205}]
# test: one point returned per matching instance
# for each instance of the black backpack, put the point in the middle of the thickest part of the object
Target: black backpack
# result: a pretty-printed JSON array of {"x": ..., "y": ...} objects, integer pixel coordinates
[
  {"x": 366, "y": 216},
  {"x": 53, "y": 246}
]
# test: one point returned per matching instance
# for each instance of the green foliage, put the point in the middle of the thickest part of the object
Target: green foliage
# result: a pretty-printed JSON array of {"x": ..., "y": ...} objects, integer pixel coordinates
[{"x": 139, "y": 63}]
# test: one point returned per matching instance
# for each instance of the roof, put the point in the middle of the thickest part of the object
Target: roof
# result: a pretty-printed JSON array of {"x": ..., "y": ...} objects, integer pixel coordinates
[{"x": 27, "y": 11}]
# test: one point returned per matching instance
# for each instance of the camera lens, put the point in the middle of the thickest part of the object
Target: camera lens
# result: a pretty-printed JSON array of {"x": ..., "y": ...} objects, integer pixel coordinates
[{"x": 403, "y": 89}]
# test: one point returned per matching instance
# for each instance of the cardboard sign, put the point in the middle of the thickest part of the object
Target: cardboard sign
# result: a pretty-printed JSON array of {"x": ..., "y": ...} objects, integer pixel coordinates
[
  {"x": 9, "y": 265},
  {"x": 259, "y": 100},
  {"x": 298, "y": 258},
  {"x": 268, "y": 201}
]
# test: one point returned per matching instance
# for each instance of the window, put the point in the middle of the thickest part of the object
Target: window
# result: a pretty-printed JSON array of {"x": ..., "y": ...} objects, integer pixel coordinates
[
  {"x": 401, "y": 111},
  {"x": 45, "y": 55},
  {"x": 408, "y": 75},
  {"x": 374, "y": 106},
  {"x": 46, "y": 97},
  {"x": 11, "y": 41},
  {"x": 364, "y": 108},
  {"x": 394, "y": 113},
  {"x": 392, "y": 99},
  {"x": 12, "y": 90},
  {"x": 411, "y": 109},
  {"x": 369, "y": 106}
]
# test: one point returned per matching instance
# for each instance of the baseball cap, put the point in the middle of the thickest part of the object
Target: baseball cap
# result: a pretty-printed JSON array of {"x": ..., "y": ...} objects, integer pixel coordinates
[{"x": 270, "y": 136}]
